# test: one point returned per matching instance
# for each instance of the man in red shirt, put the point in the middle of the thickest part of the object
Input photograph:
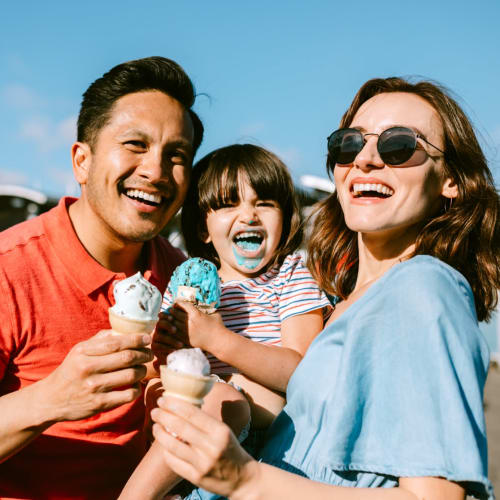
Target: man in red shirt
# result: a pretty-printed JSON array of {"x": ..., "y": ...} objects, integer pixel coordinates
[{"x": 70, "y": 403}]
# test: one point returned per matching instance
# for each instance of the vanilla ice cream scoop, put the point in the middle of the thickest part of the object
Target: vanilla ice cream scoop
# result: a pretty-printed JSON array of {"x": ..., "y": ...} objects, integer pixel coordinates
[
  {"x": 136, "y": 298},
  {"x": 191, "y": 361},
  {"x": 186, "y": 375},
  {"x": 197, "y": 281}
]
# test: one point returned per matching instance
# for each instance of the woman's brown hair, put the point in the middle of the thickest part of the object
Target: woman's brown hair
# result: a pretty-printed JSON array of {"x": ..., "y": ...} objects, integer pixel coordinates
[
  {"x": 216, "y": 180},
  {"x": 465, "y": 233}
]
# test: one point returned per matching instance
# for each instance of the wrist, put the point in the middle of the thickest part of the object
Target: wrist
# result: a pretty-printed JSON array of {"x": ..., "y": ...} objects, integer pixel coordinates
[
  {"x": 45, "y": 412},
  {"x": 218, "y": 342},
  {"x": 247, "y": 487}
]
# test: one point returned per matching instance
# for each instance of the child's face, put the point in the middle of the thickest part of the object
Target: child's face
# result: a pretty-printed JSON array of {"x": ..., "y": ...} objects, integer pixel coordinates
[{"x": 245, "y": 234}]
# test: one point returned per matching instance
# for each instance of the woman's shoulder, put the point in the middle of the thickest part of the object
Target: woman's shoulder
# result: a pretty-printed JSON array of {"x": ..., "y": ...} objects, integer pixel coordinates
[
  {"x": 424, "y": 272},
  {"x": 432, "y": 297}
]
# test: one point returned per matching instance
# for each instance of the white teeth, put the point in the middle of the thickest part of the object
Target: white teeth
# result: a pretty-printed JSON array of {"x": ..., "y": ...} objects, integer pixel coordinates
[
  {"x": 136, "y": 193},
  {"x": 248, "y": 234},
  {"x": 379, "y": 188}
]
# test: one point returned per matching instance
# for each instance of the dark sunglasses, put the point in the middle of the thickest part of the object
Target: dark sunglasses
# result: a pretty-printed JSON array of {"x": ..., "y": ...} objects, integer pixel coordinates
[{"x": 395, "y": 145}]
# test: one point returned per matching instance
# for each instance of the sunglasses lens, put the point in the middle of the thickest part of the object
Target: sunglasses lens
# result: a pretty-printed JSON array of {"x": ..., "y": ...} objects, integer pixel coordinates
[
  {"x": 344, "y": 145},
  {"x": 397, "y": 145}
]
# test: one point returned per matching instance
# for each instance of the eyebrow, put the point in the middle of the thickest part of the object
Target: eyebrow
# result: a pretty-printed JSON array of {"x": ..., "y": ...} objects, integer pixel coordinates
[{"x": 183, "y": 143}]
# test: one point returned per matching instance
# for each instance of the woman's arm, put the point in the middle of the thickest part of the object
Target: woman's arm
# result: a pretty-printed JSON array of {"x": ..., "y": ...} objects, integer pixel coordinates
[{"x": 206, "y": 453}]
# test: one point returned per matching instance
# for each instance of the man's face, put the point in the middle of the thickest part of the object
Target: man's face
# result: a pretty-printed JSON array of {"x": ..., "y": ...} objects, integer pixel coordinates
[{"x": 136, "y": 177}]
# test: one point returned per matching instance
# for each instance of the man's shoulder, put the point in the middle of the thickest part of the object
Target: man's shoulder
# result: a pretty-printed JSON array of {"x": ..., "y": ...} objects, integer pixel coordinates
[{"x": 22, "y": 235}]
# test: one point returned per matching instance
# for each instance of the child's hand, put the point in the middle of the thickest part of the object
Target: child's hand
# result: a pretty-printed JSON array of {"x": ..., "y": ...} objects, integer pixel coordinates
[
  {"x": 152, "y": 392},
  {"x": 194, "y": 327},
  {"x": 164, "y": 340}
]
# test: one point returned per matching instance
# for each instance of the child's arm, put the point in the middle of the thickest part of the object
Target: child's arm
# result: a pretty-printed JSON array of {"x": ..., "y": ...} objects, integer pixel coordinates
[{"x": 266, "y": 364}]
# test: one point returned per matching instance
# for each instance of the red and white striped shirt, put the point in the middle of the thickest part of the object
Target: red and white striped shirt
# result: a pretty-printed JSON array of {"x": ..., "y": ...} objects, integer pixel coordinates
[{"x": 256, "y": 307}]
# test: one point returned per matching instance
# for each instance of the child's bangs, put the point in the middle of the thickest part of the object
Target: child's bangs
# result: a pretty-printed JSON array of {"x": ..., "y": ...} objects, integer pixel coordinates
[
  {"x": 220, "y": 186},
  {"x": 266, "y": 181}
]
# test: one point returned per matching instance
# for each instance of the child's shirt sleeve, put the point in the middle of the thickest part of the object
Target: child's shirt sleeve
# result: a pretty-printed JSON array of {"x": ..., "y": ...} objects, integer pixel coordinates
[
  {"x": 167, "y": 300},
  {"x": 298, "y": 291}
]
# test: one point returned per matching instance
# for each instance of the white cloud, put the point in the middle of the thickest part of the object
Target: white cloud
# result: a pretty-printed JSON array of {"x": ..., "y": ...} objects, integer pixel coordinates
[
  {"x": 251, "y": 129},
  {"x": 64, "y": 181},
  {"x": 48, "y": 135},
  {"x": 10, "y": 177},
  {"x": 495, "y": 135},
  {"x": 291, "y": 157},
  {"x": 21, "y": 97}
]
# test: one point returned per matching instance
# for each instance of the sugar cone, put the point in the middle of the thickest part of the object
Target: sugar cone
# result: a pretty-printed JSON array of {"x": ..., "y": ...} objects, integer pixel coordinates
[
  {"x": 188, "y": 293},
  {"x": 190, "y": 388},
  {"x": 121, "y": 324}
]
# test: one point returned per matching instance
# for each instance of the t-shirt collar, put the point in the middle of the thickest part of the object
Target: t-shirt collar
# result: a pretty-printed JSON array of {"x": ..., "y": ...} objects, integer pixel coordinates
[{"x": 87, "y": 273}]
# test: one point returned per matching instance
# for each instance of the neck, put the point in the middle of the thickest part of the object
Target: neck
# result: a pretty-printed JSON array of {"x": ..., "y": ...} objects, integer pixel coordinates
[
  {"x": 111, "y": 251},
  {"x": 378, "y": 254}
]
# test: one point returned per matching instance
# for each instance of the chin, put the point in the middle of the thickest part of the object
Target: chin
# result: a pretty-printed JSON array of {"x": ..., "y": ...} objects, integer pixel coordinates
[{"x": 141, "y": 236}]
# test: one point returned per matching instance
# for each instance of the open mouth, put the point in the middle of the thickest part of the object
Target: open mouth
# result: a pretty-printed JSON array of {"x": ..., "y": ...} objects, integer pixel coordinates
[
  {"x": 153, "y": 200},
  {"x": 248, "y": 241},
  {"x": 371, "y": 191}
]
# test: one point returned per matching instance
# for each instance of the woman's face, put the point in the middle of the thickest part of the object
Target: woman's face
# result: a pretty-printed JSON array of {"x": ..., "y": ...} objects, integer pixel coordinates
[{"x": 378, "y": 198}]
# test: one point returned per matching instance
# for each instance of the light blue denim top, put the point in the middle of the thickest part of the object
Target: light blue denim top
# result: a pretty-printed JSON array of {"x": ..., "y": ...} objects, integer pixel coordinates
[{"x": 392, "y": 388}]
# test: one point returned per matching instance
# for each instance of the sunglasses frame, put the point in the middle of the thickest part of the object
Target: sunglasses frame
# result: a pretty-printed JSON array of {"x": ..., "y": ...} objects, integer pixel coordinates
[{"x": 415, "y": 135}]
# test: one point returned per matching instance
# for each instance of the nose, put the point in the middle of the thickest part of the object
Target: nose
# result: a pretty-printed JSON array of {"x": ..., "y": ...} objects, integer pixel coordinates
[
  {"x": 248, "y": 214},
  {"x": 154, "y": 168},
  {"x": 368, "y": 158}
]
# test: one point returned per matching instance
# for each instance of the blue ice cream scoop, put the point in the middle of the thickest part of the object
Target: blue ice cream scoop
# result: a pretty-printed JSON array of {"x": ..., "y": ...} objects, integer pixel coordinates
[{"x": 197, "y": 281}]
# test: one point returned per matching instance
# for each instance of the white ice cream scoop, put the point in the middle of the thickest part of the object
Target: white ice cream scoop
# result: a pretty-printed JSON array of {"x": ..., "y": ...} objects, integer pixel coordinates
[{"x": 186, "y": 375}]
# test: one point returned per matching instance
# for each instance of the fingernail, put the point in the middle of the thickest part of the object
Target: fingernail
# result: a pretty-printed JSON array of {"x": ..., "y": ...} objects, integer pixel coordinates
[
  {"x": 161, "y": 401},
  {"x": 146, "y": 339}
]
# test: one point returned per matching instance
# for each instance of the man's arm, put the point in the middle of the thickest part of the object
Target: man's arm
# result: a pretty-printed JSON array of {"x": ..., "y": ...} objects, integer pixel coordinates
[{"x": 98, "y": 374}]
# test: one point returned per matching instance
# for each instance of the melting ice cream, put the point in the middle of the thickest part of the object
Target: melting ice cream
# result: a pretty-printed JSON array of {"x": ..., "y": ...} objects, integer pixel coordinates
[
  {"x": 136, "y": 298},
  {"x": 191, "y": 361},
  {"x": 197, "y": 281}
]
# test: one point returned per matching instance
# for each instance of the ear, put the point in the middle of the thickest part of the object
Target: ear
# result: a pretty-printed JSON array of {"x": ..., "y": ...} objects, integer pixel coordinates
[
  {"x": 449, "y": 189},
  {"x": 81, "y": 157},
  {"x": 203, "y": 234}
]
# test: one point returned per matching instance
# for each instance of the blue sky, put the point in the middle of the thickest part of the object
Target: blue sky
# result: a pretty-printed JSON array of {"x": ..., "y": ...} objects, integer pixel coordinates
[{"x": 279, "y": 74}]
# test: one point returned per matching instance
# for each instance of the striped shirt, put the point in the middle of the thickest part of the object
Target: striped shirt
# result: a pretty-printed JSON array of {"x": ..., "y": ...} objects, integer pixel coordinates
[{"x": 256, "y": 307}]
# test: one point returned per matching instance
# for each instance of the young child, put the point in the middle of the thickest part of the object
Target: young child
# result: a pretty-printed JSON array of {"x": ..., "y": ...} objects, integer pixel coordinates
[{"x": 241, "y": 213}]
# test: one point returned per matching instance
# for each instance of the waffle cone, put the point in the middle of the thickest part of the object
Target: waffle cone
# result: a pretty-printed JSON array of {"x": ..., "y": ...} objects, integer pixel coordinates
[
  {"x": 190, "y": 388},
  {"x": 123, "y": 325}
]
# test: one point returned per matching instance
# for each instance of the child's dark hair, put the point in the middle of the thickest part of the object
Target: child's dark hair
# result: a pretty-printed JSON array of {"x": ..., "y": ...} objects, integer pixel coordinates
[{"x": 216, "y": 180}]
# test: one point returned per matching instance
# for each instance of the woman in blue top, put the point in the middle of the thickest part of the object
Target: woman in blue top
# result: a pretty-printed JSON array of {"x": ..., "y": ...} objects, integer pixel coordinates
[{"x": 387, "y": 402}]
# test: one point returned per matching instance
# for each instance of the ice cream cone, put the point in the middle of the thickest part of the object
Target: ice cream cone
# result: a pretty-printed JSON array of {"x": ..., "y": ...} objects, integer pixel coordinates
[
  {"x": 123, "y": 325},
  {"x": 186, "y": 293},
  {"x": 190, "y": 388}
]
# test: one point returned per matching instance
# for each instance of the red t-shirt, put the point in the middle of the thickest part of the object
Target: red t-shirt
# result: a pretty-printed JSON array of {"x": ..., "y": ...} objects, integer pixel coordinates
[{"x": 55, "y": 295}]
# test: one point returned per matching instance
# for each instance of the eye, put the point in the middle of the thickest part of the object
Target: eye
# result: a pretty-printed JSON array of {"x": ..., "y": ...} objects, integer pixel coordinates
[
  {"x": 179, "y": 157},
  {"x": 267, "y": 203},
  {"x": 226, "y": 204},
  {"x": 135, "y": 145}
]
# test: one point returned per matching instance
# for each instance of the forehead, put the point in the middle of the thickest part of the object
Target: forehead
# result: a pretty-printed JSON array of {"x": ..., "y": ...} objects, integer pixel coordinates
[
  {"x": 151, "y": 113},
  {"x": 398, "y": 108}
]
